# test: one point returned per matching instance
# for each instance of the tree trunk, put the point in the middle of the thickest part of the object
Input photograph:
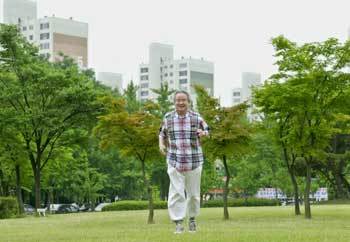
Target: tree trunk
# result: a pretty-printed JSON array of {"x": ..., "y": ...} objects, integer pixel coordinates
[
  {"x": 346, "y": 185},
  {"x": 2, "y": 193},
  {"x": 293, "y": 179},
  {"x": 296, "y": 194},
  {"x": 37, "y": 187},
  {"x": 226, "y": 188},
  {"x": 149, "y": 195},
  {"x": 150, "y": 206},
  {"x": 307, "y": 191},
  {"x": 19, "y": 189}
]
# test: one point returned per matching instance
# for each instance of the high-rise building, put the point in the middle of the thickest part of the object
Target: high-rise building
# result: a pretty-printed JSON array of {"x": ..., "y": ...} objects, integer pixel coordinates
[
  {"x": 244, "y": 94},
  {"x": 51, "y": 34},
  {"x": 17, "y": 11},
  {"x": 68, "y": 36},
  {"x": 249, "y": 80},
  {"x": 113, "y": 80},
  {"x": 180, "y": 74},
  {"x": 236, "y": 96}
]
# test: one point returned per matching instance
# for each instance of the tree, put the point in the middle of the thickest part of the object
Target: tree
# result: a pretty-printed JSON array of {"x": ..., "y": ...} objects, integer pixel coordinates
[
  {"x": 69, "y": 177},
  {"x": 164, "y": 93},
  {"x": 271, "y": 101},
  {"x": 41, "y": 100},
  {"x": 132, "y": 104},
  {"x": 229, "y": 133},
  {"x": 315, "y": 87},
  {"x": 134, "y": 134}
]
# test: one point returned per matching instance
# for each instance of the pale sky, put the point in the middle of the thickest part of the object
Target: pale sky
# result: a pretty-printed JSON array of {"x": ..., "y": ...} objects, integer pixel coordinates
[{"x": 234, "y": 34}]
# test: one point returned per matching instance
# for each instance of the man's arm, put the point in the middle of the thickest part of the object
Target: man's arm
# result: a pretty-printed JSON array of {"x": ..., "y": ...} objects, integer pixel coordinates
[
  {"x": 204, "y": 128},
  {"x": 163, "y": 135}
]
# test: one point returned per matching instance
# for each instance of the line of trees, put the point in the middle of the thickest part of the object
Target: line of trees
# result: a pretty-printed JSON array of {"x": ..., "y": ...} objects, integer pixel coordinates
[{"x": 67, "y": 138}]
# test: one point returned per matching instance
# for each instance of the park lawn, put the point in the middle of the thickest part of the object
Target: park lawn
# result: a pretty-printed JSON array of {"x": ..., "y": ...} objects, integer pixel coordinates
[{"x": 329, "y": 223}]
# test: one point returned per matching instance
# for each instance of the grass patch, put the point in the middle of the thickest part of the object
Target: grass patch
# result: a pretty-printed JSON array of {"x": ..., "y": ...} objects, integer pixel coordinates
[{"x": 248, "y": 224}]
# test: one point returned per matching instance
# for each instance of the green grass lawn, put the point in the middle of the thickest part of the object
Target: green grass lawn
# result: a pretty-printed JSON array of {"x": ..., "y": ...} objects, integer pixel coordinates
[{"x": 329, "y": 223}]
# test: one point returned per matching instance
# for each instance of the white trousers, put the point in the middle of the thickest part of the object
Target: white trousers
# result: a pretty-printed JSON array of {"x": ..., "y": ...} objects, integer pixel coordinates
[{"x": 184, "y": 193}]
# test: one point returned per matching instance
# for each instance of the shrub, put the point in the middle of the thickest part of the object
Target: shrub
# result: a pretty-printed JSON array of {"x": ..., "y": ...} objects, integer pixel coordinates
[
  {"x": 8, "y": 207},
  {"x": 143, "y": 205},
  {"x": 241, "y": 202},
  {"x": 134, "y": 205}
]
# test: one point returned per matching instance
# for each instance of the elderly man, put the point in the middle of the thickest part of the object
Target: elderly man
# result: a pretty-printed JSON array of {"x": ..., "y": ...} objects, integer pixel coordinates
[{"x": 179, "y": 140}]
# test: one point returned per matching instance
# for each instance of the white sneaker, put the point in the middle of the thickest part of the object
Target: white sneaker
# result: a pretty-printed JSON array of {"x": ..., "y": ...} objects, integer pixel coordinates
[
  {"x": 192, "y": 227},
  {"x": 179, "y": 229}
]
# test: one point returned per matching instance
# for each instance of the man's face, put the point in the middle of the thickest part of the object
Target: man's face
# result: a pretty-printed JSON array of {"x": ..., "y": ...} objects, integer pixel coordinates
[{"x": 181, "y": 103}]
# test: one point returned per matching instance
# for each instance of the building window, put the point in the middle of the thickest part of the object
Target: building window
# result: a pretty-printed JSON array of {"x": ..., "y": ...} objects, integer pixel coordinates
[
  {"x": 183, "y": 81},
  {"x": 183, "y": 65},
  {"x": 30, "y": 37},
  {"x": 236, "y": 100},
  {"x": 236, "y": 94},
  {"x": 171, "y": 81},
  {"x": 171, "y": 66},
  {"x": 44, "y": 25},
  {"x": 182, "y": 73},
  {"x": 24, "y": 28},
  {"x": 144, "y": 93},
  {"x": 165, "y": 67},
  {"x": 144, "y": 85},
  {"x": 45, "y": 46},
  {"x": 161, "y": 69},
  {"x": 144, "y": 70},
  {"x": 166, "y": 74},
  {"x": 45, "y": 36},
  {"x": 170, "y": 74},
  {"x": 144, "y": 77},
  {"x": 31, "y": 27}
]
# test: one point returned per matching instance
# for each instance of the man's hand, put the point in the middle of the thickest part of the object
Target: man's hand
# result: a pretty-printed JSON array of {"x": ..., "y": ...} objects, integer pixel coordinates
[
  {"x": 162, "y": 147},
  {"x": 201, "y": 133}
]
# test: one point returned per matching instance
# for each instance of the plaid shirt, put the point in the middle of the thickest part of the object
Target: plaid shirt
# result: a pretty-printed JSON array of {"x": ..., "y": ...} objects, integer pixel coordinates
[{"x": 184, "y": 151}]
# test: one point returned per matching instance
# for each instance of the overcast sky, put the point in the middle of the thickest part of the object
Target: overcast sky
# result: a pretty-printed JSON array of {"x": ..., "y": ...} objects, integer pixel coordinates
[{"x": 234, "y": 34}]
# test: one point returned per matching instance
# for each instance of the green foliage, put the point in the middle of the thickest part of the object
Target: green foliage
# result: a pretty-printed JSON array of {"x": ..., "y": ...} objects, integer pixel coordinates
[
  {"x": 303, "y": 100},
  {"x": 40, "y": 100},
  {"x": 130, "y": 96},
  {"x": 134, "y": 205},
  {"x": 164, "y": 94},
  {"x": 71, "y": 178},
  {"x": 229, "y": 129},
  {"x": 8, "y": 207},
  {"x": 240, "y": 202}
]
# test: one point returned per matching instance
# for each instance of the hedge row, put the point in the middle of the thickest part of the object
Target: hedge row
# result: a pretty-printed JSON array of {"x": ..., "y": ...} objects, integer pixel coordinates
[
  {"x": 133, "y": 205},
  {"x": 241, "y": 202},
  {"x": 142, "y": 205},
  {"x": 8, "y": 207}
]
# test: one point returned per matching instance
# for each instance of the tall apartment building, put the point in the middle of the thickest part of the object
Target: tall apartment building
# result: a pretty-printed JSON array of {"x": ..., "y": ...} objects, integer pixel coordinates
[
  {"x": 244, "y": 94},
  {"x": 68, "y": 36},
  {"x": 113, "y": 80},
  {"x": 17, "y": 11},
  {"x": 51, "y": 34},
  {"x": 180, "y": 74},
  {"x": 236, "y": 96},
  {"x": 249, "y": 80}
]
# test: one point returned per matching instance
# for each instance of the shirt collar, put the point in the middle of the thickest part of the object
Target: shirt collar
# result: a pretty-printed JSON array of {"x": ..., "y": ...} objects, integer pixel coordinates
[{"x": 186, "y": 115}]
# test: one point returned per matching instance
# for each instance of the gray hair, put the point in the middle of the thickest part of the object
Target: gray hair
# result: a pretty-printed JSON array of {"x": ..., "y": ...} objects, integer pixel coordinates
[{"x": 183, "y": 92}]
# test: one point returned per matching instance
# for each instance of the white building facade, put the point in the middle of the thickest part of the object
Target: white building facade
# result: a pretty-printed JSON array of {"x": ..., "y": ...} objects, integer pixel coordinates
[
  {"x": 179, "y": 74},
  {"x": 17, "y": 11},
  {"x": 51, "y": 34},
  {"x": 249, "y": 81}
]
